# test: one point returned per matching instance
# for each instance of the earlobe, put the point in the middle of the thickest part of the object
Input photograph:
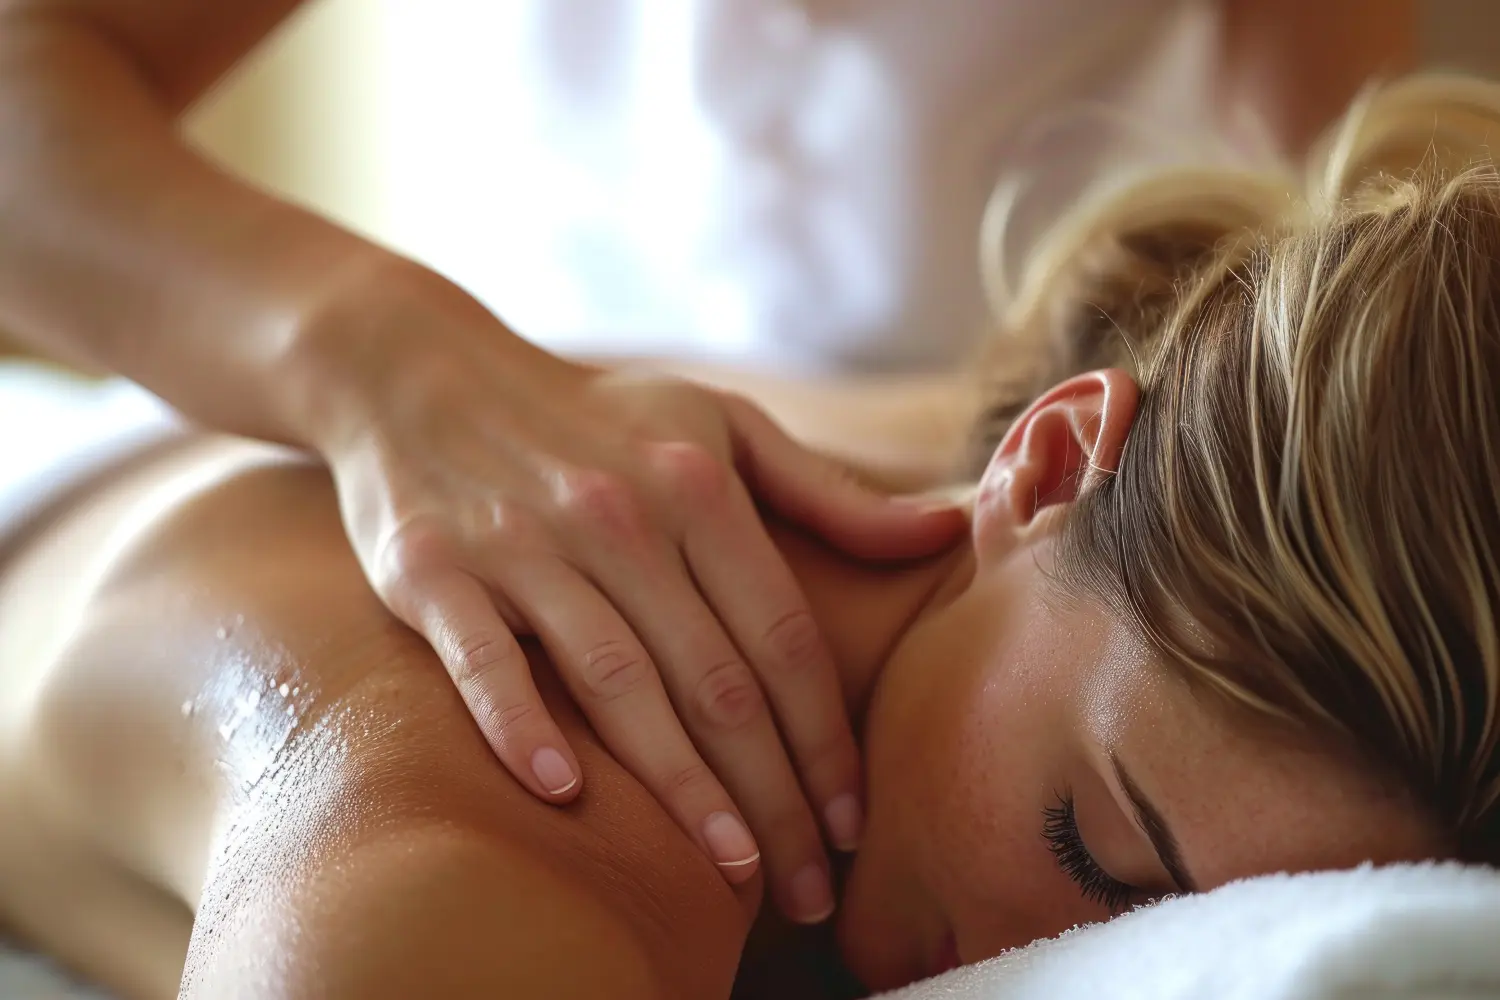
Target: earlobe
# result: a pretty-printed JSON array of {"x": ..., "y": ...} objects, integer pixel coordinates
[{"x": 1073, "y": 433}]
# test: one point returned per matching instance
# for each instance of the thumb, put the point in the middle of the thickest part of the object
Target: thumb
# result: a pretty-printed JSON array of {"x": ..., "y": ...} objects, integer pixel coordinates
[{"x": 821, "y": 495}]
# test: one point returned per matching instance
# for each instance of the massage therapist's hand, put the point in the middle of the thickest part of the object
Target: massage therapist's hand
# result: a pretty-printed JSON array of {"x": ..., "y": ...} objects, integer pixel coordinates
[{"x": 491, "y": 489}]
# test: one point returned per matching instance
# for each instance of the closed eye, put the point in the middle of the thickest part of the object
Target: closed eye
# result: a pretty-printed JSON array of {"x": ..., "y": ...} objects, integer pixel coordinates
[{"x": 1060, "y": 831}]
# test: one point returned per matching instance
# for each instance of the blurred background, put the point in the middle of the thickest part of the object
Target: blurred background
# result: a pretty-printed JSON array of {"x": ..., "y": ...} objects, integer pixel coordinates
[{"x": 351, "y": 109}]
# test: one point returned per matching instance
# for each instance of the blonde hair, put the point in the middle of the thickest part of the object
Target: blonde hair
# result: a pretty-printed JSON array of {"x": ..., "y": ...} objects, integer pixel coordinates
[{"x": 1306, "y": 517}]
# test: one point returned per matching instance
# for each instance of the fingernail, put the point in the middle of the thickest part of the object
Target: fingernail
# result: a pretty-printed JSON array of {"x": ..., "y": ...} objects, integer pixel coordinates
[
  {"x": 552, "y": 771},
  {"x": 729, "y": 843},
  {"x": 845, "y": 821},
  {"x": 812, "y": 896}
]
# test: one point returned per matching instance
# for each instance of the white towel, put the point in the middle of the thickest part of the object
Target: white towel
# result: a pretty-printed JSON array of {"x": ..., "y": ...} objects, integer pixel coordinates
[{"x": 1404, "y": 932}]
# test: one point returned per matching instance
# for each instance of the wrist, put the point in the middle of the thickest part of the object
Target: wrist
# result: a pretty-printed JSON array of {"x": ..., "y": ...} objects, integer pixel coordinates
[
  {"x": 381, "y": 329},
  {"x": 310, "y": 368}
]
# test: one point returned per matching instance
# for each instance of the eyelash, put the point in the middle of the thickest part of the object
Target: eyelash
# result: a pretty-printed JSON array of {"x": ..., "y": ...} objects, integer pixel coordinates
[{"x": 1060, "y": 830}]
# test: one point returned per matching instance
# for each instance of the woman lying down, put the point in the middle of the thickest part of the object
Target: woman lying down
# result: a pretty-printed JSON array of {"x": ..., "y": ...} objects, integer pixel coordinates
[{"x": 1228, "y": 607}]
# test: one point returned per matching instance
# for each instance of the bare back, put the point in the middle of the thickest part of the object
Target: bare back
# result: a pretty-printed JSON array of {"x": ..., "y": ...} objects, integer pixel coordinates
[{"x": 206, "y": 708}]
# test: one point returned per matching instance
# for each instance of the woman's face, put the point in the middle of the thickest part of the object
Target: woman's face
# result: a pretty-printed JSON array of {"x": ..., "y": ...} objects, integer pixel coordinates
[{"x": 1006, "y": 718}]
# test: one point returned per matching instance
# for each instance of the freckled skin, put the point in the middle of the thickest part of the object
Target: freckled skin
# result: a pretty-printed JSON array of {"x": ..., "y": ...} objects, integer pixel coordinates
[
  {"x": 367, "y": 844},
  {"x": 1002, "y": 698}
]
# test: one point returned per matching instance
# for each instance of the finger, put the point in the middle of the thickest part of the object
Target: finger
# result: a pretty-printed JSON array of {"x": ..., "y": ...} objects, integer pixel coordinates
[
  {"x": 749, "y": 586},
  {"x": 719, "y": 699},
  {"x": 456, "y": 614},
  {"x": 615, "y": 683},
  {"x": 820, "y": 494}
]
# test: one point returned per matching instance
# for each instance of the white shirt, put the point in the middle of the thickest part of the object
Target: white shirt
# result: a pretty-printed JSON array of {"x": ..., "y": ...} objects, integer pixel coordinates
[{"x": 766, "y": 181}]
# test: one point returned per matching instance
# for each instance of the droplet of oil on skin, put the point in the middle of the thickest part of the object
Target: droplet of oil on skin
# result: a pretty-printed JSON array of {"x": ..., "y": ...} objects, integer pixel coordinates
[
  {"x": 252, "y": 710},
  {"x": 244, "y": 708},
  {"x": 225, "y": 631}
]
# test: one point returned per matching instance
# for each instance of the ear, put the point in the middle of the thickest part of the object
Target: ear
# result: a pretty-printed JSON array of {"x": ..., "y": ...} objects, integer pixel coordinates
[{"x": 1071, "y": 434}]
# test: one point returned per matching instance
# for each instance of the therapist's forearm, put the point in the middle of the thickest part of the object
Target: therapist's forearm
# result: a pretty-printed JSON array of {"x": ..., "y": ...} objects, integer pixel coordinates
[{"x": 123, "y": 250}]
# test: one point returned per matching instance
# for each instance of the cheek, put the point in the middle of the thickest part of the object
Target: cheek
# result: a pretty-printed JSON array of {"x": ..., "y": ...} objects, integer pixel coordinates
[
  {"x": 998, "y": 746},
  {"x": 980, "y": 761},
  {"x": 965, "y": 740},
  {"x": 986, "y": 861}
]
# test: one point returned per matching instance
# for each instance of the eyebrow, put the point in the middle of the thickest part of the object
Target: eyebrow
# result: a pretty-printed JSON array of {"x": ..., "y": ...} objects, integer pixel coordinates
[{"x": 1157, "y": 831}]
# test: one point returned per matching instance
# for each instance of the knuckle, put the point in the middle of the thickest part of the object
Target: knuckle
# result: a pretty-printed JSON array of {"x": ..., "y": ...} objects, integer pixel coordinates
[
  {"x": 511, "y": 528},
  {"x": 601, "y": 502},
  {"x": 414, "y": 546},
  {"x": 692, "y": 779},
  {"x": 728, "y": 697},
  {"x": 795, "y": 643},
  {"x": 505, "y": 721},
  {"x": 691, "y": 473},
  {"x": 613, "y": 669},
  {"x": 479, "y": 656}
]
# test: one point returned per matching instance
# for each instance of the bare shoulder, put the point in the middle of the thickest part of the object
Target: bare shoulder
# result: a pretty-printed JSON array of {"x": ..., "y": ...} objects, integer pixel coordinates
[{"x": 239, "y": 722}]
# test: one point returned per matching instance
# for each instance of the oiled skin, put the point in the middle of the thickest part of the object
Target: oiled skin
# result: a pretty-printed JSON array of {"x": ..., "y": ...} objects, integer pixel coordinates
[{"x": 350, "y": 834}]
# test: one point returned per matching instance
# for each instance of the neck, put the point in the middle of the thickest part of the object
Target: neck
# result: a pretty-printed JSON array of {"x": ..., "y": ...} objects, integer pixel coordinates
[{"x": 864, "y": 609}]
